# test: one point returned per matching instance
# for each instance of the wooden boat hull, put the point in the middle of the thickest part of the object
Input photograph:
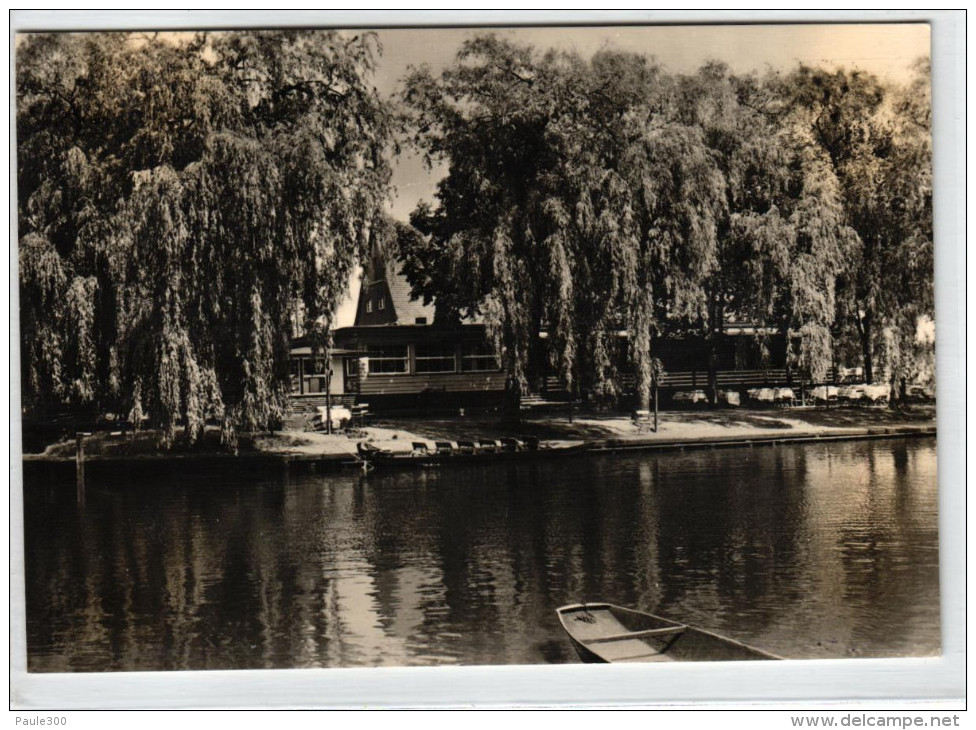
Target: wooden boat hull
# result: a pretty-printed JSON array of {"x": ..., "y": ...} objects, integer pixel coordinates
[
  {"x": 412, "y": 459},
  {"x": 604, "y": 633}
]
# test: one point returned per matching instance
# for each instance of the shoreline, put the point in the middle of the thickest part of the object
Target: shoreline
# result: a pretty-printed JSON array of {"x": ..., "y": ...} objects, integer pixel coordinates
[{"x": 341, "y": 450}]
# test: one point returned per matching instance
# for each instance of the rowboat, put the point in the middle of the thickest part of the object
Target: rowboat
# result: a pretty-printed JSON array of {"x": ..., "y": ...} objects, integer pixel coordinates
[
  {"x": 602, "y": 632},
  {"x": 466, "y": 451}
]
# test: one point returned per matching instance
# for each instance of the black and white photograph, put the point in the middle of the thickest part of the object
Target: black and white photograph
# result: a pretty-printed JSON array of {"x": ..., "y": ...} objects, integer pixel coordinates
[{"x": 461, "y": 346}]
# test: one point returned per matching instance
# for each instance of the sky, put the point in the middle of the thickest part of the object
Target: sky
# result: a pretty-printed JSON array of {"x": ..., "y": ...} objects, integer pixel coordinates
[{"x": 886, "y": 50}]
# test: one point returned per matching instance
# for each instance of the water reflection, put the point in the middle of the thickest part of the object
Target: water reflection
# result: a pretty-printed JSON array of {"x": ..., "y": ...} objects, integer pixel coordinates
[{"x": 808, "y": 551}]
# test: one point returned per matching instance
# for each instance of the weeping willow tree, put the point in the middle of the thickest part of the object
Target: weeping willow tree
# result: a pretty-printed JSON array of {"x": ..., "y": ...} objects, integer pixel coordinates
[
  {"x": 875, "y": 139},
  {"x": 908, "y": 351},
  {"x": 179, "y": 197},
  {"x": 575, "y": 203},
  {"x": 782, "y": 239}
]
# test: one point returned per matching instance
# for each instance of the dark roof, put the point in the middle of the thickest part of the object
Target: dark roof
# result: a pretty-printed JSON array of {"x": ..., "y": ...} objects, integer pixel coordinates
[
  {"x": 407, "y": 309},
  {"x": 382, "y": 274}
]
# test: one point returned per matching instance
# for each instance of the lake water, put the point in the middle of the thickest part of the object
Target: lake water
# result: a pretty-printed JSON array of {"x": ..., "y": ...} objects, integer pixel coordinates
[{"x": 820, "y": 551}]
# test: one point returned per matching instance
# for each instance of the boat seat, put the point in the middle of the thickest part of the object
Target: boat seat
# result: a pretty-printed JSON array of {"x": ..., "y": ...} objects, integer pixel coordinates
[
  {"x": 637, "y": 634},
  {"x": 634, "y": 650}
]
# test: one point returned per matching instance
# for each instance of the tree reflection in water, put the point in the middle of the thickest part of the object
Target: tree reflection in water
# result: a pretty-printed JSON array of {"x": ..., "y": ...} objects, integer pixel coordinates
[{"x": 808, "y": 551}]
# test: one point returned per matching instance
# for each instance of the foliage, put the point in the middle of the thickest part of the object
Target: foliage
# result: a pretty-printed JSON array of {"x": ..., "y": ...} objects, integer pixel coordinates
[
  {"x": 782, "y": 237},
  {"x": 877, "y": 141},
  {"x": 178, "y": 198},
  {"x": 182, "y": 198},
  {"x": 589, "y": 196},
  {"x": 574, "y": 203}
]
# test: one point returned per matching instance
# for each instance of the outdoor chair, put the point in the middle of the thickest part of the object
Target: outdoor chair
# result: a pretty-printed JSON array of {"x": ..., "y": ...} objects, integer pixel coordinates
[
  {"x": 360, "y": 412},
  {"x": 785, "y": 397},
  {"x": 729, "y": 397}
]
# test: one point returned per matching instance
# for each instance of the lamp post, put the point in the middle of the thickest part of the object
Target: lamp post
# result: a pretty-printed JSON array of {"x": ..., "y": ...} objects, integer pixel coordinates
[{"x": 328, "y": 393}]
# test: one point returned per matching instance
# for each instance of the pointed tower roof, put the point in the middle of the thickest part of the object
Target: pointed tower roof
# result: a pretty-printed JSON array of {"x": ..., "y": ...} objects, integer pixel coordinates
[{"x": 384, "y": 297}]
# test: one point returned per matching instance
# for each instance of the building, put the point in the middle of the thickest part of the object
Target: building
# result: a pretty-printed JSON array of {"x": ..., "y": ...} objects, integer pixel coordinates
[{"x": 397, "y": 357}]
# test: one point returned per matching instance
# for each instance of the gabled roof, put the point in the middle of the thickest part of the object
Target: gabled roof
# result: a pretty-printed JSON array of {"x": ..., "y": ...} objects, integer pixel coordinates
[
  {"x": 383, "y": 279},
  {"x": 408, "y": 310},
  {"x": 384, "y": 299}
]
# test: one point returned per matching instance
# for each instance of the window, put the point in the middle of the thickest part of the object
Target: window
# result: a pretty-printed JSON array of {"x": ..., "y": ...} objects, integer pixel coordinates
[
  {"x": 314, "y": 367},
  {"x": 387, "y": 359},
  {"x": 294, "y": 376},
  {"x": 478, "y": 357},
  {"x": 315, "y": 375},
  {"x": 382, "y": 303},
  {"x": 435, "y": 358},
  {"x": 369, "y": 306},
  {"x": 351, "y": 367}
]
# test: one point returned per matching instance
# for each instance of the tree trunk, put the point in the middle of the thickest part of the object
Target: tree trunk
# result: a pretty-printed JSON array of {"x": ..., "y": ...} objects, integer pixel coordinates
[
  {"x": 784, "y": 332},
  {"x": 512, "y": 405},
  {"x": 899, "y": 391},
  {"x": 712, "y": 372},
  {"x": 715, "y": 329},
  {"x": 655, "y": 405},
  {"x": 866, "y": 349}
]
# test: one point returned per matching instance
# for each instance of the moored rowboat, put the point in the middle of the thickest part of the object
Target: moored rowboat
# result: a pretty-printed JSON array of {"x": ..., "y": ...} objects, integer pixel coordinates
[
  {"x": 602, "y": 632},
  {"x": 463, "y": 452}
]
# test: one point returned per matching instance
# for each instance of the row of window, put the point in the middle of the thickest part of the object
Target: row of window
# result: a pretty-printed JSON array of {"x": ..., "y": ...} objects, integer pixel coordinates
[
  {"x": 310, "y": 366},
  {"x": 428, "y": 358}
]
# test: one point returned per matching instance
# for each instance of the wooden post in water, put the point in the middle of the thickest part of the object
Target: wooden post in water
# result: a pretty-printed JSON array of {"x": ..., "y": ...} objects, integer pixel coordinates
[{"x": 80, "y": 466}]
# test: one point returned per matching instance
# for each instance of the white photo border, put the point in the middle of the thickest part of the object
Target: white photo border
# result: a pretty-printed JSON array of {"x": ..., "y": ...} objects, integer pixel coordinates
[{"x": 811, "y": 682}]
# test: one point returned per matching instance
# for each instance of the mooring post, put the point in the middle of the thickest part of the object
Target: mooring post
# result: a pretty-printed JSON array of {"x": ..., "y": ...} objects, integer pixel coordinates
[{"x": 80, "y": 466}]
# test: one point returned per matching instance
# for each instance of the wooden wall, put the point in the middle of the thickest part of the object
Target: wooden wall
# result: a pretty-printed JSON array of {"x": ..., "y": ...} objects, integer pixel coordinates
[{"x": 380, "y": 384}]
